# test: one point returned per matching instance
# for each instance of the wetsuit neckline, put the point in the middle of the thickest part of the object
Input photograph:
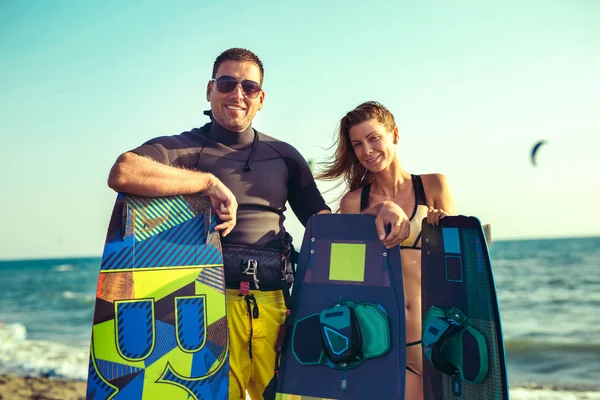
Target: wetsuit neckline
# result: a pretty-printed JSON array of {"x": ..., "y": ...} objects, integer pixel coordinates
[{"x": 235, "y": 140}]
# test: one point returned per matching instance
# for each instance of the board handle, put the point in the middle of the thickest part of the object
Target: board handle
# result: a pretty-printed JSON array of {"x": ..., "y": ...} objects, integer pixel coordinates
[{"x": 487, "y": 232}]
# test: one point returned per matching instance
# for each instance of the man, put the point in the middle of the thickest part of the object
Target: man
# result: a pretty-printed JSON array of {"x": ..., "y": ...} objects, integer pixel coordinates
[{"x": 249, "y": 177}]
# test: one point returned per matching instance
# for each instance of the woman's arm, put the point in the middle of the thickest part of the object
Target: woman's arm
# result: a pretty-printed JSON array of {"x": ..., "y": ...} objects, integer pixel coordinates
[{"x": 438, "y": 192}]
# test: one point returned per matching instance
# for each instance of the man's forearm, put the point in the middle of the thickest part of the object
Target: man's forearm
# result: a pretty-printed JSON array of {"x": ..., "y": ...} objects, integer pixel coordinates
[{"x": 142, "y": 176}]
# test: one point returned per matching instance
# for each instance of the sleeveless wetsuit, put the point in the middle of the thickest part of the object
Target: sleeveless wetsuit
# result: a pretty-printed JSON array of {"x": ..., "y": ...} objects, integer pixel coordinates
[
  {"x": 414, "y": 240},
  {"x": 263, "y": 173}
]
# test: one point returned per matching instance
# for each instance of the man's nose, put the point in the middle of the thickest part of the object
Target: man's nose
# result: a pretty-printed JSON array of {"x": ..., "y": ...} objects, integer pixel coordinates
[{"x": 238, "y": 92}]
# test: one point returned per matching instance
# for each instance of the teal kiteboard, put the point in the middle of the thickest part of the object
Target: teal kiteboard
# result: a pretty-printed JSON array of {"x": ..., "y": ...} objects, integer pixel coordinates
[
  {"x": 464, "y": 356},
  {"x": 160, "y": 322},
  {"x": 346, "y": 335}
]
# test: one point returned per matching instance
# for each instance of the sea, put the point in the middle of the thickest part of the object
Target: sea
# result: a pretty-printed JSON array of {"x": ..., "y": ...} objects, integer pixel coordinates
[{"x": 548, "y": 291}]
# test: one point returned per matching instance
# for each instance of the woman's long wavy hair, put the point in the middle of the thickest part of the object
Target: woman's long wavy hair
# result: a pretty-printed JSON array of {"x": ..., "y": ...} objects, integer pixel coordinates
[{"x": 344, "y": 163}]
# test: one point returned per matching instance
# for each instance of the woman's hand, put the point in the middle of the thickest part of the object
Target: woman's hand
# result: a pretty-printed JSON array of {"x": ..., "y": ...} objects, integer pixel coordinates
[
  {"x": 392, "y": 214},
  {"x": 434, "y": 216}
]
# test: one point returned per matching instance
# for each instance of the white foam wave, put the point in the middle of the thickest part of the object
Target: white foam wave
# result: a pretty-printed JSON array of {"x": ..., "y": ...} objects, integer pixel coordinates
[
  {"x": 69, "y": 295},
  {"x": 63, "y": 267},
  {"x": 39, "y": 358},
  {"x": 21, "y": 356},
  {"x": 11, "y": 335},
  {"x": 82, "y": 297},
  {"x": 552, "y": 394}
]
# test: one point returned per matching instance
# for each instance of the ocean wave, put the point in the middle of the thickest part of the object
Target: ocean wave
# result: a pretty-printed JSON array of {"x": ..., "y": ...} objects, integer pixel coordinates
[
  {"x": 63, "y": 267},
  {"x": 554, "y": 392},
  {"x": 80, "y": 297},
  {"x": 524, "y": 346},
  {"x": 21, "y": 356},
  {"x": 11, "y": 335}
]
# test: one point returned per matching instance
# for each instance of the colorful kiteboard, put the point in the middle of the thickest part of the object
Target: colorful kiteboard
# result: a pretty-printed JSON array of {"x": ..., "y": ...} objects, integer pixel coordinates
[
  {"x": 160, "y": 322},
  {"x": 464, "y": 355},
  {"x": 346, "y": 336}
]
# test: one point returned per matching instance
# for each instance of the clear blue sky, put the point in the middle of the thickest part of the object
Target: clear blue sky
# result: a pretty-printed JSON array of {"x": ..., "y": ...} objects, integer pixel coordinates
[{"x": 472, "y": 84}]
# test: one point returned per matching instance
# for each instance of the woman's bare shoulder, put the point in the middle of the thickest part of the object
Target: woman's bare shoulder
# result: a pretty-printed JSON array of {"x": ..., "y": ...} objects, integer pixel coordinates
[
  {"x": 434, "y": 183},
  {"x": 438, "y": 192},
  {"x": 350, "y": 203}
]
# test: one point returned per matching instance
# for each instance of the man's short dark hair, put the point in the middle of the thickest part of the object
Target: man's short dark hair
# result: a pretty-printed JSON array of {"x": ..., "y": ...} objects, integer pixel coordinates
[{"x": 240, "y": 55}]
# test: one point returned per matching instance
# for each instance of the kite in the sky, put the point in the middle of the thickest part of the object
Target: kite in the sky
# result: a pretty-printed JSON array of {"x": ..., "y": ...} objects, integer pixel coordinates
[{"x": 534, "y": 151}]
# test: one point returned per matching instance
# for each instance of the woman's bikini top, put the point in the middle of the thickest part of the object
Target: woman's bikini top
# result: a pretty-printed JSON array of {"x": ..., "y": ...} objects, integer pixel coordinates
[{"x": 419, "y": 212}]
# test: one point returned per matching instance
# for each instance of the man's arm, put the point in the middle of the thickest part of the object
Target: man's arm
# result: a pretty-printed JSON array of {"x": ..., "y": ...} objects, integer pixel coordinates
[
  {"x": 303, "y": 194},
  {"x": 143, "y": 176}
]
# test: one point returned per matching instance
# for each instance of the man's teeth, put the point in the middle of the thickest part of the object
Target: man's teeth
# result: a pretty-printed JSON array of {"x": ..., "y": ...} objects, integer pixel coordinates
[{"x": 234, "y": 108}]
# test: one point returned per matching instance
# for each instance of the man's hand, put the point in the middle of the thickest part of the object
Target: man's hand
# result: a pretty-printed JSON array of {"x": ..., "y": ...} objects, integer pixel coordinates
[
  {"x": 146, "y": 177},
  {"x": 224, "y": 204}
]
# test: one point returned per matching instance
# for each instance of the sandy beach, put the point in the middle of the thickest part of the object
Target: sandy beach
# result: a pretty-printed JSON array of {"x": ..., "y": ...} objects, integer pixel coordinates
[
  {"x": 20, "y": 388},
  {"x": 30, "y": 388}
]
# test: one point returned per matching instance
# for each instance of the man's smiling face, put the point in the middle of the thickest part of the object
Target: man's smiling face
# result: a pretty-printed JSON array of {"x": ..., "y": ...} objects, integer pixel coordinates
[{"x": 234, "y": 110}]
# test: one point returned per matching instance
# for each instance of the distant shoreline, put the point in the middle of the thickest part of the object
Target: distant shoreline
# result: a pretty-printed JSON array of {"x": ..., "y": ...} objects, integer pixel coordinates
[
  {"x": 496, "y": 239},
  {"x": 50, "y": 259}
]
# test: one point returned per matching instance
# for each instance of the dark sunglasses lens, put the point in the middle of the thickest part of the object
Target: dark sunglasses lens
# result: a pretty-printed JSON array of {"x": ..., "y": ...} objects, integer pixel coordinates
[
  {"x": 250, "y": 88},
  {"x": 226, "y": 84}
]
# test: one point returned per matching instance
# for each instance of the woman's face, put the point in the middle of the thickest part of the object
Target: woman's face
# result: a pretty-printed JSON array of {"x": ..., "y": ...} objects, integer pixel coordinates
[{"x": 373, "y": 145}]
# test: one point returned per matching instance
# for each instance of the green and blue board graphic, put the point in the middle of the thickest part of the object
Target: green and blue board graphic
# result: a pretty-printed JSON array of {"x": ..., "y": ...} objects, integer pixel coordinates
[{"x": 160, "y": 321}]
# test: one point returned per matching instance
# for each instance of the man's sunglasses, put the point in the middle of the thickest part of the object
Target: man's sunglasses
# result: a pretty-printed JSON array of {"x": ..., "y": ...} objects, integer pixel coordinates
[{"x": 226, "y": 84}]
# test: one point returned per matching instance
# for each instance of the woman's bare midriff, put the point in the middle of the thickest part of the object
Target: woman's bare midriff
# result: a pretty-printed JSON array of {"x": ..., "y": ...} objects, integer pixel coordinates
[{"x": 411, "y": 270}]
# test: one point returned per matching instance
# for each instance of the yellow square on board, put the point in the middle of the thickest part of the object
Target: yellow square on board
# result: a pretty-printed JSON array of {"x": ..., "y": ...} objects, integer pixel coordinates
[{"x": 347, "y": 262}]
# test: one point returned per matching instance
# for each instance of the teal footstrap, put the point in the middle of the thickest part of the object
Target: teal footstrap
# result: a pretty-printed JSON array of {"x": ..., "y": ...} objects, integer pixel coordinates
[
  {"x": 454, "y": 346},
  {"x": 342, "y": 336}
]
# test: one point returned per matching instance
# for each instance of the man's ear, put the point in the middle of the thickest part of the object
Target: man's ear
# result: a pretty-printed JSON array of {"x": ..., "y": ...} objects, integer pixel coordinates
[
  {"x": 261, "y": 98},
  {"x": 209, "y": 90}
]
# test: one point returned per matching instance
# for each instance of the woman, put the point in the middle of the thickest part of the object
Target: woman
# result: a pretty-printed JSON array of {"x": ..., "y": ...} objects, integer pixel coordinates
[{"x": 367, "y": 161}]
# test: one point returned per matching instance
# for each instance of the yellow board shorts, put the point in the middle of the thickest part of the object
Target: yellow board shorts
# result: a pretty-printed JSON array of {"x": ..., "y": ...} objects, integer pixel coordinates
[{"x": 254, "y": 323}]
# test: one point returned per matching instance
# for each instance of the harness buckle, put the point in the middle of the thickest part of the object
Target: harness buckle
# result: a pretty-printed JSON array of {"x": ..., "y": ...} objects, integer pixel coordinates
[
  {"x": 250, "y": 267},
  {"x": 287, "y": 270}
]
